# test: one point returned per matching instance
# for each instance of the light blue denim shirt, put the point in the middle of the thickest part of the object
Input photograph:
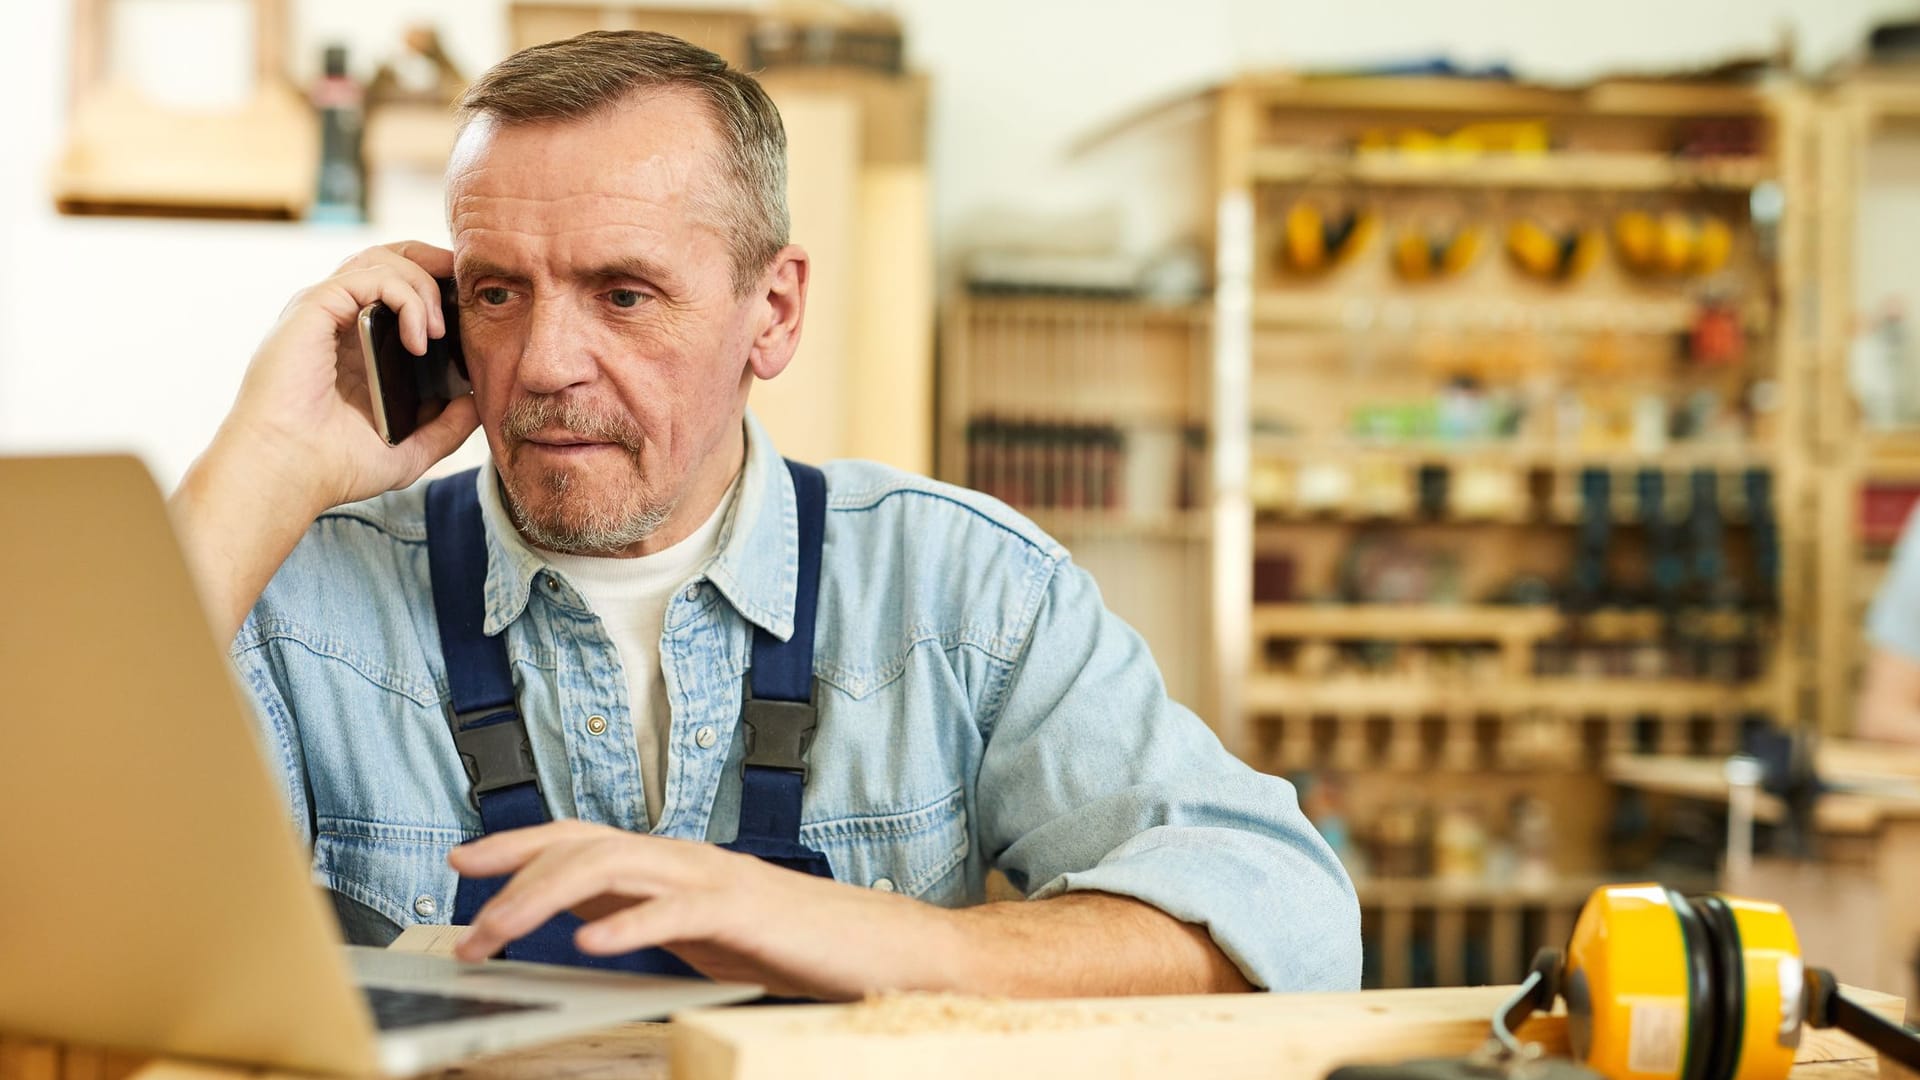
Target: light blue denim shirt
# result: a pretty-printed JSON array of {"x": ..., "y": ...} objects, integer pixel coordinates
[{"x": 979, "y": 708}]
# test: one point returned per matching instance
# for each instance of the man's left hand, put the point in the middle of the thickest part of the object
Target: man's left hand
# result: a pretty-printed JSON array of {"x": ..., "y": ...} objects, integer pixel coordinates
[{"x": 730, "y": 916}]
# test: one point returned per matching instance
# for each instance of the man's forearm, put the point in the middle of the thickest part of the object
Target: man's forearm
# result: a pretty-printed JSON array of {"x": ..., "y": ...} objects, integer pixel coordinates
[
  {"x": 1085, "y": 944},
  {"x": 236, "y": 526}
]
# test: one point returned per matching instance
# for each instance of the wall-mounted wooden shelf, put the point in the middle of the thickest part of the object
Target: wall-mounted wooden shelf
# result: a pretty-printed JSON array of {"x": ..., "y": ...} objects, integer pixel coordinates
[
  {"x": 1567, "y": 170},
  {"x": 1566, "y": 695},
  {"x": 1544, "y": 314},
  {"x": 1675, "y": 457},
  {"x": 1070, "y": 525},
  {"x": 1421, "y": 622},
  {"x": 1891, "y": 456}
]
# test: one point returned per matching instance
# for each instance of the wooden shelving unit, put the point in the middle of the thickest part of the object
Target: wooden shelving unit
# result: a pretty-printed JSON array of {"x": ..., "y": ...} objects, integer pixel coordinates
[
  {"x": 1090, "y": 416},
  {"x": 1859, "y": 117},
  {"x": 1488, "y": 691},
  {"x": 1464, "y": 933},
  {"x": 1443, "y": 697}
]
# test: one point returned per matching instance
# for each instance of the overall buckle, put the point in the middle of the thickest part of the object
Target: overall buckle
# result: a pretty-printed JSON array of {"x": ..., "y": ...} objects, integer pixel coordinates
[
  {"x": 779, "y": 733},
  {"x": 494, "y": 747}
]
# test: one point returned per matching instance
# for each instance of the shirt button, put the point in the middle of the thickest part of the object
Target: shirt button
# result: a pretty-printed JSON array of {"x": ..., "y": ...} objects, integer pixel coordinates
[
  {"x": 424, "y": 907},
  {"x": 692, "y": 594},
  {"x": 705, "y": 738},
  {"x": 553, "y": 583},
  {"x": 596, "y": 725},
  {"x": 883, "y": 884}
]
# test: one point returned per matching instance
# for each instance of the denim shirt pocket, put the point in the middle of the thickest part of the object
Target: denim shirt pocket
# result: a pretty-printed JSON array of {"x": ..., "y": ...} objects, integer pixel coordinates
[
  {"x": 399, "y": 871},
  {"x": 918, "y": 851}
]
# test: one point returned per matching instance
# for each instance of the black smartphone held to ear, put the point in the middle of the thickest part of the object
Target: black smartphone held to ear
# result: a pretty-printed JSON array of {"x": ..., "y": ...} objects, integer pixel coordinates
[{"x": 403, "y": 385}]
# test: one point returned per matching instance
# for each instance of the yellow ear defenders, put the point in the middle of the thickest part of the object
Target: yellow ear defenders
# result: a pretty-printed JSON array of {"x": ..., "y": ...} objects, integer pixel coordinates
[
  {"x": 1555, "y": 255},
  {"x": 1661, "y": 986},
  {"x": 1314, "y": 244},
  {"x": 1672, "y": 243},
  {"x": 1422, "y": 255}
]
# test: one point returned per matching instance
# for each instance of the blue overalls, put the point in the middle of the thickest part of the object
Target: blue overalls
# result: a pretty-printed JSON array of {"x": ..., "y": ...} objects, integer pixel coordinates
[{"x": 777, "y": 716}]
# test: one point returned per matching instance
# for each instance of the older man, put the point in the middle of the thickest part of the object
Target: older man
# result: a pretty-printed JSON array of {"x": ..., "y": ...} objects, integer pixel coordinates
[{"x": 524, "y": 697}]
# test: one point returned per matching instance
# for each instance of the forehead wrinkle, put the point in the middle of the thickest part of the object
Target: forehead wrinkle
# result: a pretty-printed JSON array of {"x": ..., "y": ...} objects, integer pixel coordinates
[
  {"x": 544, "y": 209},
  {"x": 535, "y": 216}
]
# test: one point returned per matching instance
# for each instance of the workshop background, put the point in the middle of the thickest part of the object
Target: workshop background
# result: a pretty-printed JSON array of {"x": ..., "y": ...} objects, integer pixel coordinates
[{"x": 1495, "y": 414}]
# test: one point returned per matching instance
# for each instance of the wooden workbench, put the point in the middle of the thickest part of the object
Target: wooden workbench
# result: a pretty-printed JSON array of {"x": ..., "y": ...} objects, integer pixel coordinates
[{"x": 1217, "y": 1037}]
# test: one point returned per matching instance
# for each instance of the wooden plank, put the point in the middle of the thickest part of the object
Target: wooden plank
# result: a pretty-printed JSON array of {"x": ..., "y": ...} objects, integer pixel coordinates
[
  {"x": 1337, "y": 312},
  {"x": 1404, "y": 750},
  {"x": 1296, "y": 740},
  {"x": 723, "y": 30},
  {"x": 1573, "y": 170},
  {"x": 1406, "y": 622},
  {"x": 1673, "y": 738},
  {"x": 430, "y": 938},
  {"x": 1460, "y": 749},
  {"x": 1350, "y": 749},
  {"x": 1416, "y": 95},
  {"x": 1220, "y": 1037},
  {"x": 1395, "y": 945},
  {"x": 1558, "y": 925},
  {"x": 1705, "y": 778},
  {"x": 1261, "y": 1032},
  {"x": 1450, "y": 946},
  {"x": 28, "y": 1059},
  {"x": 1842, "y": 759},
  {"x": 258, "y": 159},
  {"x": 1503, "y": 941},
  {"x": 1564, "y": 891},
  {"x": 1376, "y": 694}
]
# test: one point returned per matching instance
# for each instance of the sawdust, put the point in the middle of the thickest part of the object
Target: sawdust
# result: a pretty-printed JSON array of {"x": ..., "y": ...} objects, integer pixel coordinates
[{"x": 903, "y": 1013}]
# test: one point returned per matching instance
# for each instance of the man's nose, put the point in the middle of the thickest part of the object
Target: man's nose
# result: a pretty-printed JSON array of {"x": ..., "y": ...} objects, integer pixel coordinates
[{"x": 558, "y": 350}]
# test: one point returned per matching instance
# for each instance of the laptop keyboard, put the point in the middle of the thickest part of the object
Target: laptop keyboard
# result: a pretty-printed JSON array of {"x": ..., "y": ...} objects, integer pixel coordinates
[{"x": 395, "y": 1009}]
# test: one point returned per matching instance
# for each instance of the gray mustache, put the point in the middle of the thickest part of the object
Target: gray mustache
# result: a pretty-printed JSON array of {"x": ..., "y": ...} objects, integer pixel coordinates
[{"x": 542, "y": 413}]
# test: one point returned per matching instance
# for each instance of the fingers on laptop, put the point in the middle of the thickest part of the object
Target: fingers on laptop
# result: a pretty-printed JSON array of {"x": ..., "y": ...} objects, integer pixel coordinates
[{"x": 593, "y": 870}]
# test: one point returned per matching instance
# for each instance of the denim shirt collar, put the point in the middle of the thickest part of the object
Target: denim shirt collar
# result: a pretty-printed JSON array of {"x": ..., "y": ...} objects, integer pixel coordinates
[{"x": 755, "y": 568}]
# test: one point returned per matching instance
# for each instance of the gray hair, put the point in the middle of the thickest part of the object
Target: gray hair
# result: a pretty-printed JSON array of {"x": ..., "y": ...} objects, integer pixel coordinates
[{"x": 585, "y": 75}]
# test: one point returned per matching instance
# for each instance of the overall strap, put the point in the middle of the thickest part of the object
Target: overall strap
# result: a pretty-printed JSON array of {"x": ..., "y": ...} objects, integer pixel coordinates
[
  {"x": 777, "y": 713},
  {"x": 488, "y": 731}
]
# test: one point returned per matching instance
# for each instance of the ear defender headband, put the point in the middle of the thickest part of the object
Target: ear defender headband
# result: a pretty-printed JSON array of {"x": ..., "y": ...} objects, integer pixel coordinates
[
  {"x": 1315, "y": 243},
  {"x": 1661, "y": 986},
  {"x": 1552, "y": 254}
]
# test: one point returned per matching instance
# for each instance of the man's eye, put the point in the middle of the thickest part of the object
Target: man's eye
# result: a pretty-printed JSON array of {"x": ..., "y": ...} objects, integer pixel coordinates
[
  {"x": 625, "y": 298},
  {"x": 494, "y": 296}
]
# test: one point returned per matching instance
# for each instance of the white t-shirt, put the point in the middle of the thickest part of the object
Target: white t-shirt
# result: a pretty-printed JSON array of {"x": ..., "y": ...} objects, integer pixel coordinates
[{"x": 631, "y": 596}]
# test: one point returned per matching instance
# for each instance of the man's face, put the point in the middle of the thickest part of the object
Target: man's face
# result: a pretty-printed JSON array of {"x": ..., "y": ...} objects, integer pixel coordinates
[{"x": 608, "y": 349}]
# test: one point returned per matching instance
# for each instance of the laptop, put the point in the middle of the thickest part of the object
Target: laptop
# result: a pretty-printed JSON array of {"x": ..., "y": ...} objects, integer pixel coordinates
[{"x": 156, "y": 896}]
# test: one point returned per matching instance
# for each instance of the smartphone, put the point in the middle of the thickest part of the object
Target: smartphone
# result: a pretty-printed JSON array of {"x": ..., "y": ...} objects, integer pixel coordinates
[{"x": 409, "y": 390}]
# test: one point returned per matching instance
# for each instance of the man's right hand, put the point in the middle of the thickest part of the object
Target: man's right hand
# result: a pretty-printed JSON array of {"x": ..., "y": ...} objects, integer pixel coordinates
[
  {"x": 299, "y": 439},
  {"x": 304, "y": 411}
]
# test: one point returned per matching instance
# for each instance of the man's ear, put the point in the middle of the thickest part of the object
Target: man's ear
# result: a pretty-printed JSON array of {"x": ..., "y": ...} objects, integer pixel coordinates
[{"x": 785, "y": 306}]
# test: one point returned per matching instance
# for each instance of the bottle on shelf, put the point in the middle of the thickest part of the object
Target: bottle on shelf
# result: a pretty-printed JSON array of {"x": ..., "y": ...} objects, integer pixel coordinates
[{"x": 340, "y": 193}]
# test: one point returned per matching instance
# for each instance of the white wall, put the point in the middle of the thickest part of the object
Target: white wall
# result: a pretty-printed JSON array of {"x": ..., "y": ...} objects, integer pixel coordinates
[{"x": 133, "y": 334}]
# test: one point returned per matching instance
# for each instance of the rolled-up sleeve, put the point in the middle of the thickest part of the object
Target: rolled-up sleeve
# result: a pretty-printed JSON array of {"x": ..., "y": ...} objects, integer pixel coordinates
[{"x": 1094, "y": 780}]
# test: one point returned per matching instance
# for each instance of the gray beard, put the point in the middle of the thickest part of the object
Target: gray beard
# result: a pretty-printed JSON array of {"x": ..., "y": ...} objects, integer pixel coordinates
[{"x": 589, "y": 530}]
